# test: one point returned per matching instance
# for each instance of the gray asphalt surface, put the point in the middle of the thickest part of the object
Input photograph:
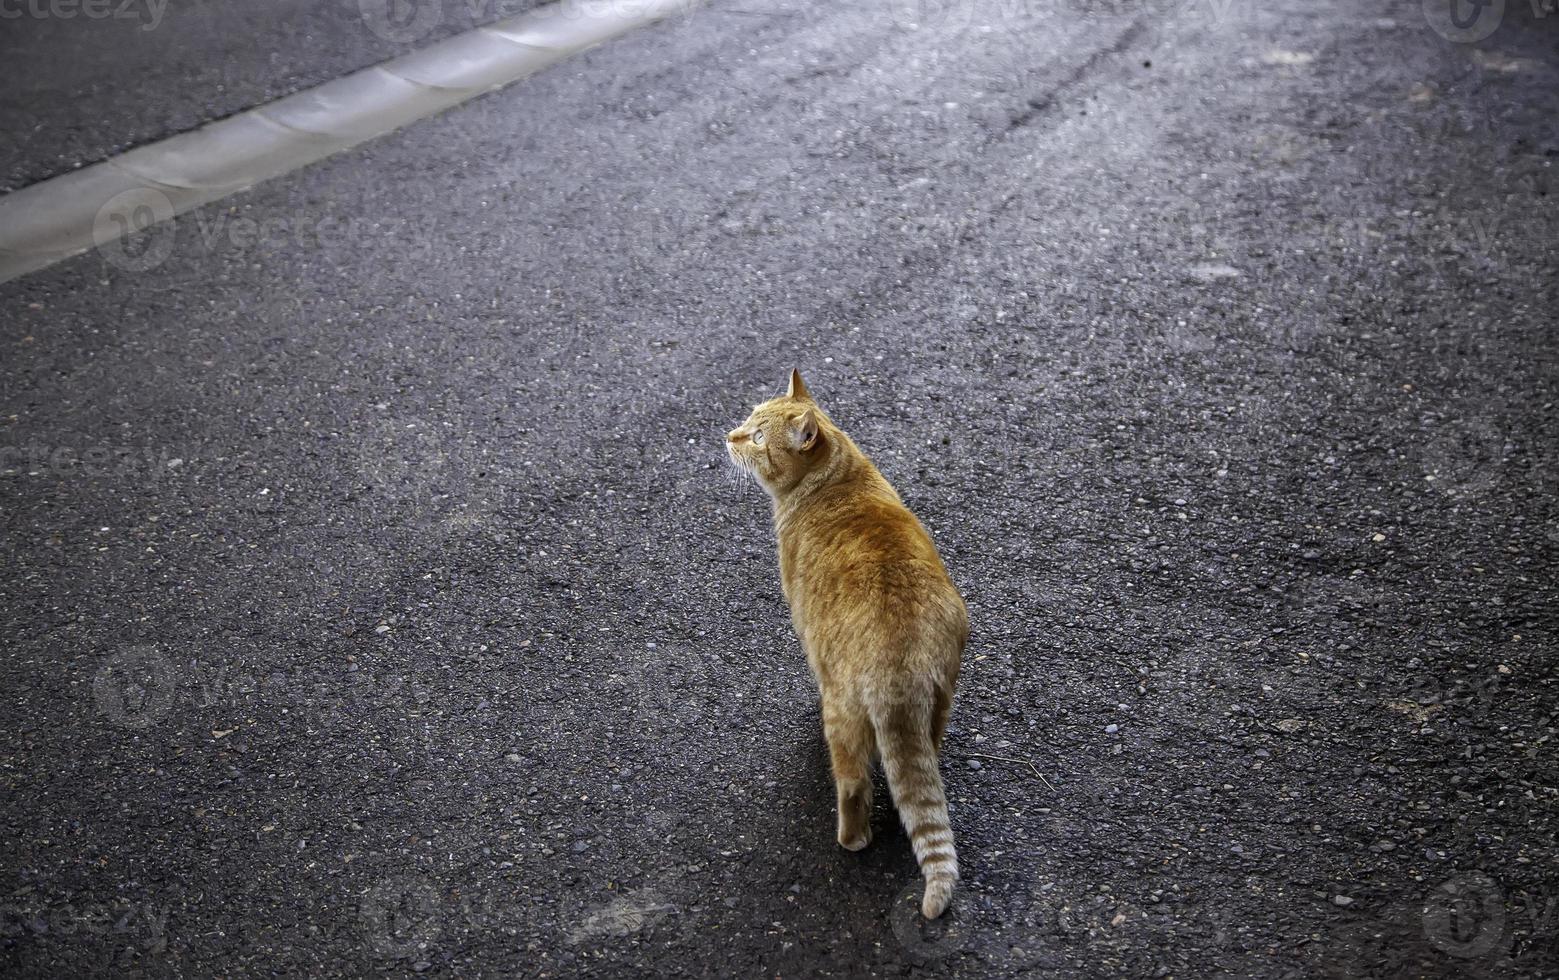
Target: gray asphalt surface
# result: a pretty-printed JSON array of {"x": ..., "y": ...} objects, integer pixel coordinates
[
  {"x": 376, "y": 600},
  {"x": 87, "y": 79}
]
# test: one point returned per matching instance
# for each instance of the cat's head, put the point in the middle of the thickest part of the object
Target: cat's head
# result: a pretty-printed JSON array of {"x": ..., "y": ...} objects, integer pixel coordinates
[{"x": 782, "y": 440}]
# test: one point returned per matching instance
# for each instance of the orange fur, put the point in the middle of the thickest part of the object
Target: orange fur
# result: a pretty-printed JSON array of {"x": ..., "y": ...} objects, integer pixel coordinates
[{"x": 881, "y": 623}]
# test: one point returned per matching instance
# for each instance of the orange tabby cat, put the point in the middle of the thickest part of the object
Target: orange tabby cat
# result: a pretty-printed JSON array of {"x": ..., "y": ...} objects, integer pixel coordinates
[{"x": 881, "y": 623}]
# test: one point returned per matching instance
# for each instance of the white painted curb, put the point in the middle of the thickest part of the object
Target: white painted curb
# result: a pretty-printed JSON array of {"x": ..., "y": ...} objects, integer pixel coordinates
[{"x": 102, "y": 204}]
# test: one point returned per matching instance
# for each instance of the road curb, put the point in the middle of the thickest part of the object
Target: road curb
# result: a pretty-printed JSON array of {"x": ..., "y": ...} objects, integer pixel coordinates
[{"x": 109, "y": 201}]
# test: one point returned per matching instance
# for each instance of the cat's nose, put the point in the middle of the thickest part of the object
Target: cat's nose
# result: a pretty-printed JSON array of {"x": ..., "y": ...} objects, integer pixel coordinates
[{"x": 735, "y": 435}]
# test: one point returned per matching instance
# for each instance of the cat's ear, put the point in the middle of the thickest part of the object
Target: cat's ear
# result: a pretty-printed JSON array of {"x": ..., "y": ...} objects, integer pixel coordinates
[
  {"x": 798, "y": 388},
  {"x": 803, "y": 429}
]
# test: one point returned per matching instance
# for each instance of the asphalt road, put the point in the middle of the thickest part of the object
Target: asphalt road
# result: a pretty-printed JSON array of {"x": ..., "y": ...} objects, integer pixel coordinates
[
  {"x": 86, "y": 79},
  {"x": 376, "y": 600}
]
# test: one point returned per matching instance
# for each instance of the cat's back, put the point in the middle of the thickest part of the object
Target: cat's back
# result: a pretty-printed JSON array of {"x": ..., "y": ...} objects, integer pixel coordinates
[
  {"x": 869, "y": 594},
  {"x": 858, "y": 545}
]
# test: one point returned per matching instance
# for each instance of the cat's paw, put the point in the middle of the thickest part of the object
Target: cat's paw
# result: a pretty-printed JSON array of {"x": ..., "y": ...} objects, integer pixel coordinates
[{"x": 857, "y": 841}]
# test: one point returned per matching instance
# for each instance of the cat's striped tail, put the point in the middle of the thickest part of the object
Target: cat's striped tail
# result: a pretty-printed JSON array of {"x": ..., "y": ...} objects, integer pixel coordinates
[{"x": 910, "y": 761}]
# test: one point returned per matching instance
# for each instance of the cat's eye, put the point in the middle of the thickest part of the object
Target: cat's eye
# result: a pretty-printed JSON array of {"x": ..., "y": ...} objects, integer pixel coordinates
[{"x": 757, "y": 437}]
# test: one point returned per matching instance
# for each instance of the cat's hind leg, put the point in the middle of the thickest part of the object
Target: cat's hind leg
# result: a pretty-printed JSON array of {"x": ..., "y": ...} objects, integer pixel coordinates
[{"x": 851, "y": 743}]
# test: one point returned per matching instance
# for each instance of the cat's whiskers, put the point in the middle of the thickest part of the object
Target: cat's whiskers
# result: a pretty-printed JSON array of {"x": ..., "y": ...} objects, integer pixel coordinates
[{"x": 737, "y": 473}]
